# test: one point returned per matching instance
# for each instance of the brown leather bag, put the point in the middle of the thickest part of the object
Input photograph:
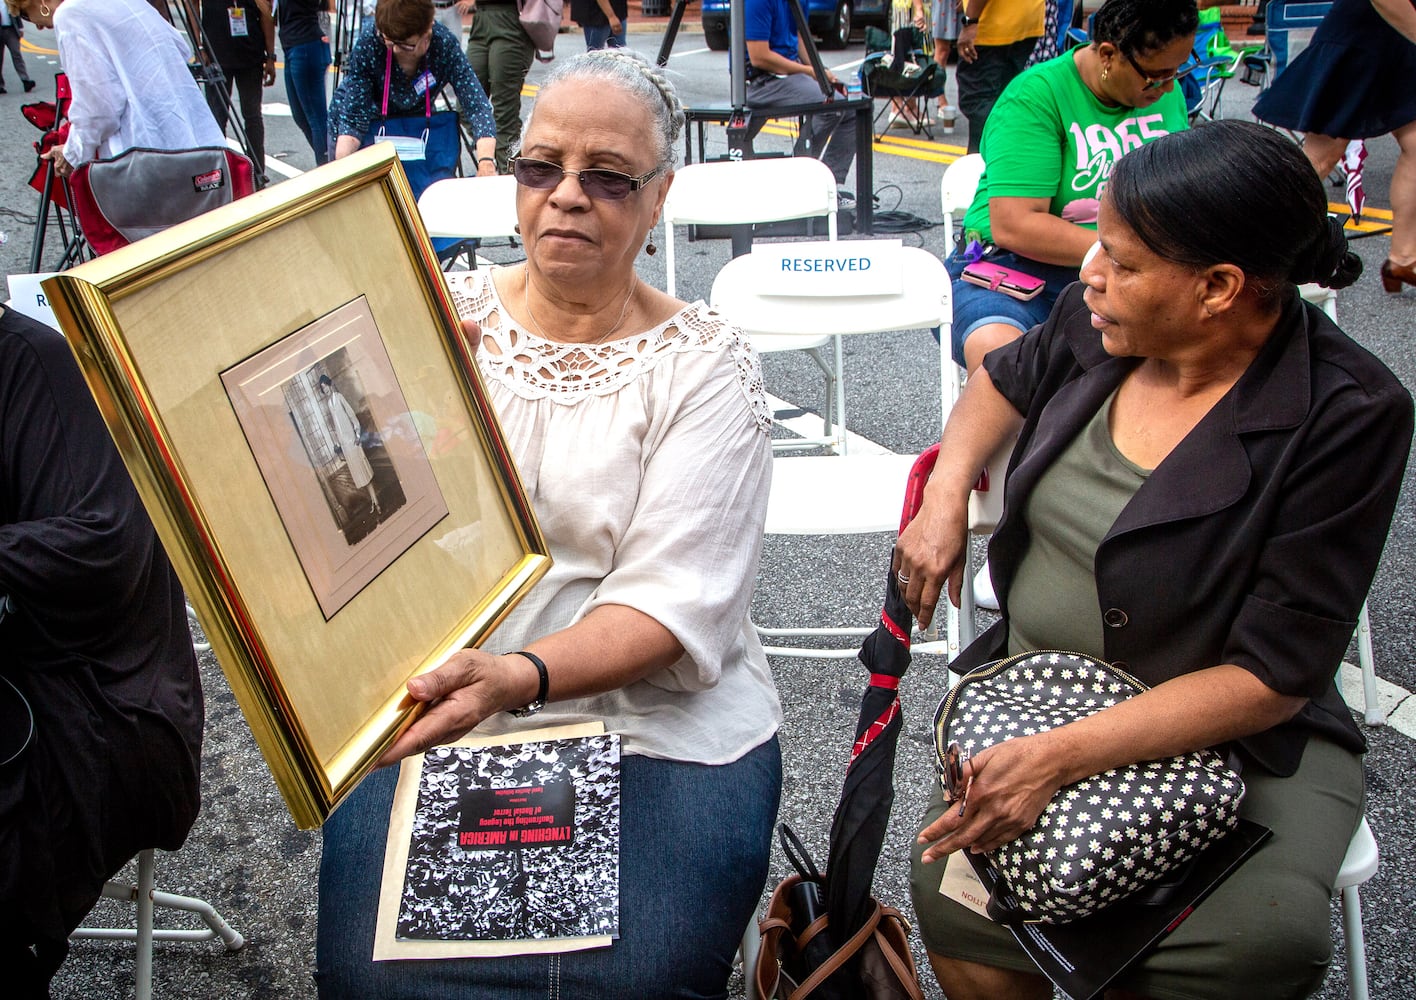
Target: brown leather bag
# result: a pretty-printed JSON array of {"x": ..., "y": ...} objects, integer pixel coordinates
[{"x": 885, "y": 970}]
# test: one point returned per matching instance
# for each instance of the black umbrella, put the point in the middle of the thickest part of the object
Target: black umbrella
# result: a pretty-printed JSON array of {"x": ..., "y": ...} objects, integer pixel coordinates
[{"x": 858, "y": 828}]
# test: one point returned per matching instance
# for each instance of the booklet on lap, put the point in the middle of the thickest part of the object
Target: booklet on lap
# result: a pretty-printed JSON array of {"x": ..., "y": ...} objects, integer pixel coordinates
[{"x": 507, "y": 846}]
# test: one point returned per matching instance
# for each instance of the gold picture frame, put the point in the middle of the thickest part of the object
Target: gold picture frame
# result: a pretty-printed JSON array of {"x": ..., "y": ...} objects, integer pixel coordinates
[{"x": 326, "y": 565}]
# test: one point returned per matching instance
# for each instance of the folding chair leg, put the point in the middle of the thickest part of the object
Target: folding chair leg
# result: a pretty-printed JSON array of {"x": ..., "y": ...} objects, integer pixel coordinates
[
  {"x": 142, "y": 973},
  {"x": 1372, "y": 709},
  {"x": 1356, "y": 943}
]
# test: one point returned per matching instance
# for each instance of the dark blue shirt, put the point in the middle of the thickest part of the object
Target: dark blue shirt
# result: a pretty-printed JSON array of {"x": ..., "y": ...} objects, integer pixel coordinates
[
  {"x": 358, "y": 102},
  {"x": 771, "y": 21}
]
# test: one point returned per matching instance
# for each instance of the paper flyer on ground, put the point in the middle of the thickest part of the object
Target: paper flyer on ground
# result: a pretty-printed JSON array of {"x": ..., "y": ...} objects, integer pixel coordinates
[{"x": 504, "y": 847}]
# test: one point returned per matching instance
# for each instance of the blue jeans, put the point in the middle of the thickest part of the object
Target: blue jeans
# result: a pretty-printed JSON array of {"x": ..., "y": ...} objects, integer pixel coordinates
[
  {"x": 694, "y": 848},
  {"x": 599, "y": 36},
  {"x": 305, "y": 69}
]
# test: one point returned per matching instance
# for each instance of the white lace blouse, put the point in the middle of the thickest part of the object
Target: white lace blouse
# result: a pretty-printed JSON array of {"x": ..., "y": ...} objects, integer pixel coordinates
[{"x": 648, "y": 462}]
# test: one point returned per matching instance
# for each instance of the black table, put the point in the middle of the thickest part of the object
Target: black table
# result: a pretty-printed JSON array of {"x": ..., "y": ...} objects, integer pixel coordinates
[{"x": 864, "y": 109}]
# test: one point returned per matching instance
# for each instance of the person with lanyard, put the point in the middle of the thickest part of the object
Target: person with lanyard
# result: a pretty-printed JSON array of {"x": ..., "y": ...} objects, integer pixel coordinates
[
  {"x": 407, "y": 55},
  {"x": 306, "y": 64},
  {"x": 241, "y": 37}
]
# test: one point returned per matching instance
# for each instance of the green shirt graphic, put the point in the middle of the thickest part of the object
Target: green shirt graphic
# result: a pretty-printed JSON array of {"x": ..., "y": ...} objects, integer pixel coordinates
[{"x": 1050, "y": 137}]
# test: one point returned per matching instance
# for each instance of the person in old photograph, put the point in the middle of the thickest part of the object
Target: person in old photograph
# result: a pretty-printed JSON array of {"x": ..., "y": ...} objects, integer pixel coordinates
[{"x": 348, "y": 436}]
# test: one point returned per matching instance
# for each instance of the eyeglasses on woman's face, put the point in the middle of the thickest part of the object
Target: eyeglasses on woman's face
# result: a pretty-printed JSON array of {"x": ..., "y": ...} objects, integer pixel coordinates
[
  {"x": 408, "y": 45},
  {"x": 1154, "y": 81},
  {"x": 597, "y": 182}
]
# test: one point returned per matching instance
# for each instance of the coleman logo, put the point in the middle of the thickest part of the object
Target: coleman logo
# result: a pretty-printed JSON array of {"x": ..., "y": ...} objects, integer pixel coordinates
[{"x": 209, "y": 181}]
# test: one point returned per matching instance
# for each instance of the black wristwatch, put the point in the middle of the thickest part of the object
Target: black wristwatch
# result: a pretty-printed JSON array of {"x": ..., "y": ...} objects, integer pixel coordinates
[
  {"x": 539, "y": 702},
  {"x": 965, "y": 20}
]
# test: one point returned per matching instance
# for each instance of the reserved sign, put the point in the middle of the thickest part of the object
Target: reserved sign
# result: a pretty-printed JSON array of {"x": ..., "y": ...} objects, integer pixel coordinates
[
  {"x": 853, "y": 267},
  {"x": 28, "y": 298}
]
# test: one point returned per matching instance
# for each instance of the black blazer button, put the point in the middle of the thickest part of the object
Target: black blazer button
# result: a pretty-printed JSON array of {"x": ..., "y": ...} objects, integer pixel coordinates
[{"x": 1115, "y": 618}]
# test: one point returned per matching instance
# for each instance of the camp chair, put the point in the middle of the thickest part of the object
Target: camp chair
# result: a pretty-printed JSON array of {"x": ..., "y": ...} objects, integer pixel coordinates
[
  {"x": 900, "y": 69},
  {"x": 51, "y": 118},
  {"x": 140, "y": 192}
]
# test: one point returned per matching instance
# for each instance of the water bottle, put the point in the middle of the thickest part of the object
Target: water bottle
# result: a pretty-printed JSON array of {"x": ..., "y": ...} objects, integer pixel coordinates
[{"x": 853, "y": 89}]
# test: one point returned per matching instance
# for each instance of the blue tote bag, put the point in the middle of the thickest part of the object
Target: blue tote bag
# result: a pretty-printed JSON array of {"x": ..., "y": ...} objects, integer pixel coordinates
[{"x": 428, "y": 145}]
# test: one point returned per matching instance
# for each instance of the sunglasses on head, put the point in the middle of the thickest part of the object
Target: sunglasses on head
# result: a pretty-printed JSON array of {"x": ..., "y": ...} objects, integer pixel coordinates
[
  {"x": 956, "y": 786},
  {"x": 597, "y": 182},
  {"x": 1152, "y": 81}
]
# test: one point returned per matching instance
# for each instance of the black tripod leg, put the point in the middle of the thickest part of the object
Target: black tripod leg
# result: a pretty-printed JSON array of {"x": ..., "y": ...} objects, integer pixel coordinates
[
  {"x": 42, "y": 223},
  {"x": 666, "y": 47}
]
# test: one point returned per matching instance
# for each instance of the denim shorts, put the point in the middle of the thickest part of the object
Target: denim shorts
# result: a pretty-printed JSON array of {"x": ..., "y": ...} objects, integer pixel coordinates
[{"x": 975, "y": 307}]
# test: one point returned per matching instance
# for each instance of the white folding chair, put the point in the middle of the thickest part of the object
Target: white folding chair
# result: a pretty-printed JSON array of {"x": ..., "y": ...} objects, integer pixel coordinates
[
  {"x": 469, "y": 209},
  {"x": 1358, "y": 866},
  {"x": 1326, "y": 300},
  {"x": 958, "y": 186},
  {"x": 771, "y": 189},
  {"x": 147, "y": 897},
  {"x": 842, "y": 494}
]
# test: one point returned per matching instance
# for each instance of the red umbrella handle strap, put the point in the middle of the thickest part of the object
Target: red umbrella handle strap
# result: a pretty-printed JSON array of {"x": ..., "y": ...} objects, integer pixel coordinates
[{"x": 914, "y": 486}]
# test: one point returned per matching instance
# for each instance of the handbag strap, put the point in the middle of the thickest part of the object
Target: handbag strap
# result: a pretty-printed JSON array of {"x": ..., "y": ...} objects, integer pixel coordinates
[
  {"x": 388, "y": 72},
  {"x": 839, "y": 957},
  {"x": 797, "y": 853}
]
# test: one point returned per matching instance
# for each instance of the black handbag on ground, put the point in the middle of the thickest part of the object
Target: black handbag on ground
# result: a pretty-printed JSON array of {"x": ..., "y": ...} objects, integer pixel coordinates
[{"x": 1102, "y": 839}]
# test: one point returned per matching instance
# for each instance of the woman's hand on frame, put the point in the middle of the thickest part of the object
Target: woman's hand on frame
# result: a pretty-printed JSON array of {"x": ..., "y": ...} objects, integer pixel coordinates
[{"x": 469, "y": 688}]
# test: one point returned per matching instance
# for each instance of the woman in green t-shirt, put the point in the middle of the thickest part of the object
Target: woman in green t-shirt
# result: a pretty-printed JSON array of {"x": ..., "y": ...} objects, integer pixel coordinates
[{"x": 1050, "y": 144}]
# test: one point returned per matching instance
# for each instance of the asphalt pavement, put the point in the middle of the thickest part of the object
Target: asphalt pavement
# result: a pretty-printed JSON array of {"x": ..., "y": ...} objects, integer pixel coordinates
[{"x": 245, "y": 855}]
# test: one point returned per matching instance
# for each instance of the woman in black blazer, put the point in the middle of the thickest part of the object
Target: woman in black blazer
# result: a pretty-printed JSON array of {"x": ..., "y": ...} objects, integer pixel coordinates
[{"x": 1204, "y": 477}]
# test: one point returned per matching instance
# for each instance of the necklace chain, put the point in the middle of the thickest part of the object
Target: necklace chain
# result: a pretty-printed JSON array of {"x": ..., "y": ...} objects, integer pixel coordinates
[{"x": 526, "y": 304}]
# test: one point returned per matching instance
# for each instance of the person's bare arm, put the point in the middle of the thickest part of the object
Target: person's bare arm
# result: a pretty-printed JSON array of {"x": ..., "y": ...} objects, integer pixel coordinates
[
  {"x": 930, "y": 551},
  {"x": 1400, "y": 14},
  {"x": 760, "y": 54},
  {"x": 616, "y": 25},
  {"x": 1027, "y": 226},
  {"x": 268, "y": 32},
  {"x": 1013, "y": 781}
]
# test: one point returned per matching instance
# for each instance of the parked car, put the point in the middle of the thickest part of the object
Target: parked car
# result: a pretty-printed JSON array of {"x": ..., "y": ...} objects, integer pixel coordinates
[{"x": 831, "y": 21}]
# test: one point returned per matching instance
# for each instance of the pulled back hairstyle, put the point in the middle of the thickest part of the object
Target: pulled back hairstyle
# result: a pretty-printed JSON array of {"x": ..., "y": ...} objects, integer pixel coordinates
[
  {"x": 1144, "y": 25},
  {"x": 1234, "y": 192},
  {"x": 630, "y": 71},
  {"x": 400, "y": 20}
]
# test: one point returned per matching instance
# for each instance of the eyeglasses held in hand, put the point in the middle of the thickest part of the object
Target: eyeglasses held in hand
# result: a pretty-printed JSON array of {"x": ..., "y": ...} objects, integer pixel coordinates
[
  {"x": 956, "y": 786},
  {"x": 1152, "y": 81},
  {"x": 597, "y": 182}
]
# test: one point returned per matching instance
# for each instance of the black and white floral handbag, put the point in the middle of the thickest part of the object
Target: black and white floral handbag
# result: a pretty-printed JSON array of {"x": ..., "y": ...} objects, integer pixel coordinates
[{"x": 1106, "y": 837}]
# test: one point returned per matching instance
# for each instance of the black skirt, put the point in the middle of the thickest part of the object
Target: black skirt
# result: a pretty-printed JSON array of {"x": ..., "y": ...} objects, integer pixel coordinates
[{"x": 1356, "y": 78}]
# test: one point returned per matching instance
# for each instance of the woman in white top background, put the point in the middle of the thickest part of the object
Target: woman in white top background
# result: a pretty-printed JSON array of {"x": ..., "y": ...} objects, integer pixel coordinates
[
  {"x": 641, "y": 430},
  {"x": 128, "y": 71}
]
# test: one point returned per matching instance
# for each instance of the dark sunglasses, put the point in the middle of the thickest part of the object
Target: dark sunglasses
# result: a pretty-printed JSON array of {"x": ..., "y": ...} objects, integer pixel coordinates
[
  {"x": 956, "y": 786},
  {"x": 597, "y": 182},
  {"x": 1153, "y": 82}
]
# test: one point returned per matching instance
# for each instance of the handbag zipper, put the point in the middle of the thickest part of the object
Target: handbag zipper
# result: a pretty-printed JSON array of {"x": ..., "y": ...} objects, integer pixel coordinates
[{"x": 987, "y": 671}]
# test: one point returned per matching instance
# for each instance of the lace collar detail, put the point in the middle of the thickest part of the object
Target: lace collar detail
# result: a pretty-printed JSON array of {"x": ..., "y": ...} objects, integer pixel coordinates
[{"x": 533, "y": 367}]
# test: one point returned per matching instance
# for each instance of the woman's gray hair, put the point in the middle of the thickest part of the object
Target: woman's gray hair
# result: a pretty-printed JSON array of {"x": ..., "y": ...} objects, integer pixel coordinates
[{"x": 636, "y": 75}]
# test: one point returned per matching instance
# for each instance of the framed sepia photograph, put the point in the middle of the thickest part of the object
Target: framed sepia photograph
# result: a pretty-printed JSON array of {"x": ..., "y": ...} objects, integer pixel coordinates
[{"x": 287, "y": 382}]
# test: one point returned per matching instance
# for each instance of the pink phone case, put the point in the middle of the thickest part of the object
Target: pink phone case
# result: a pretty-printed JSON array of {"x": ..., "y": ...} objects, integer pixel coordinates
[{"x": 1004, "y": 279}]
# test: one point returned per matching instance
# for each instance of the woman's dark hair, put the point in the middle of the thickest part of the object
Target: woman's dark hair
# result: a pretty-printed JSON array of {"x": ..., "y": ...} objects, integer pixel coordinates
[
  {"x": 325, "y": 380},
  {"x": 400, "y": 20},
  {"x": 1233, "y": 192},
  {"x": 1135, "y": 26}
]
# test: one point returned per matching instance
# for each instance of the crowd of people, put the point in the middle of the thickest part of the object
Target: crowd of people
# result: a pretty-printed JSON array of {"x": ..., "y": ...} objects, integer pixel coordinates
[{"x": 1175, "y": 402}]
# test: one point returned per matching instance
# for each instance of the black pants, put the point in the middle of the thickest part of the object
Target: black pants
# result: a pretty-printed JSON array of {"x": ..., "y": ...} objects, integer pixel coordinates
[
  {"x": 248, "y": 89},
  {"x": 981, "y": 82}
]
